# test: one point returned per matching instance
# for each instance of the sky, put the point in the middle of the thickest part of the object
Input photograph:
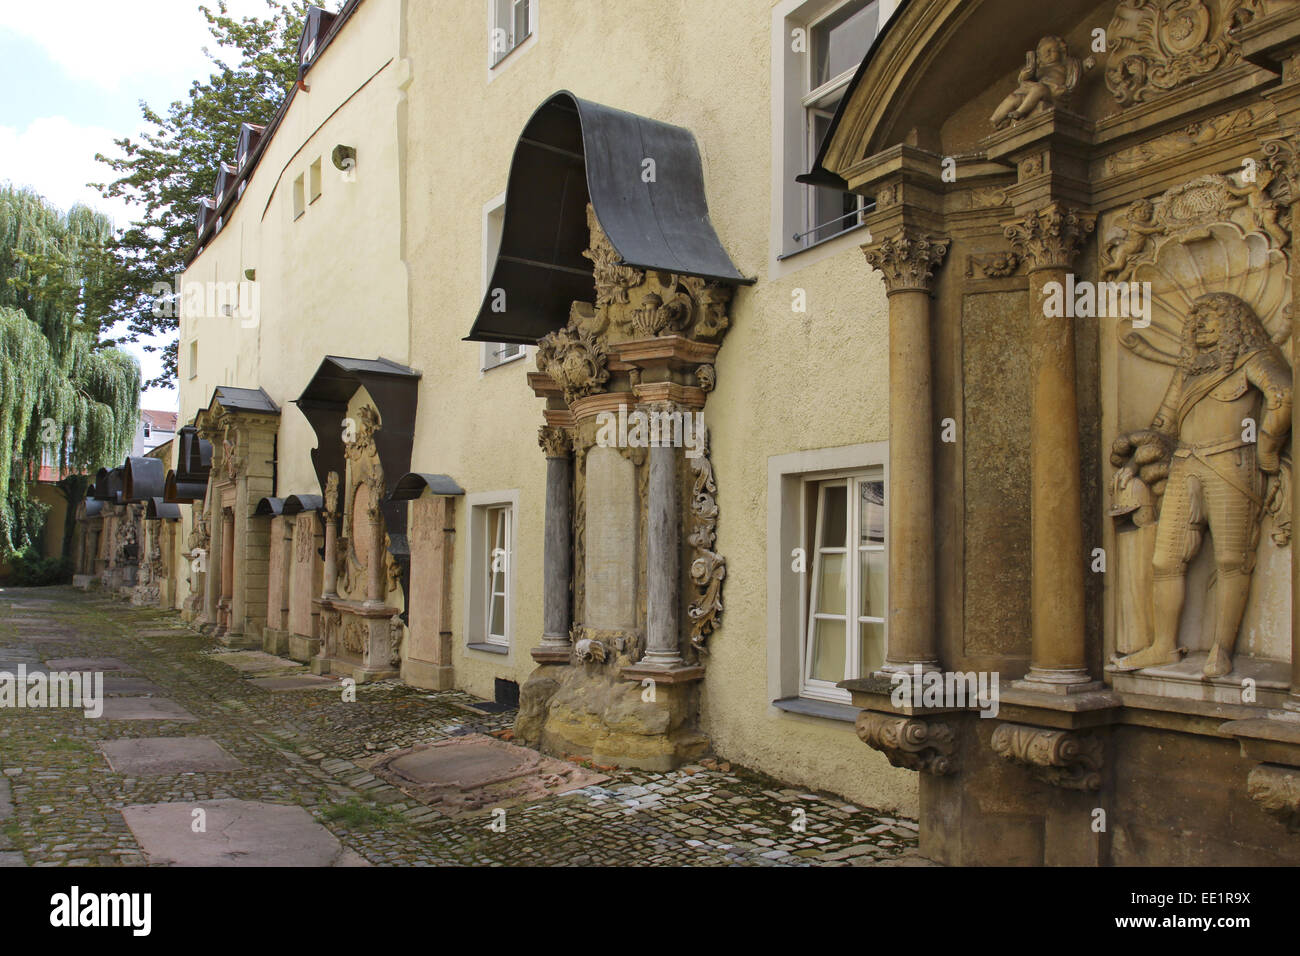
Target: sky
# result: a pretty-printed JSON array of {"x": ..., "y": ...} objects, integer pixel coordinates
[{"x": 74, "y": 73}]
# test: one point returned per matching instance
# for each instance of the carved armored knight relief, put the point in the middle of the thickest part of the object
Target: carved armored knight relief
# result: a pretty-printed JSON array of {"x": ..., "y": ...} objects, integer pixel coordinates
[{"x": 1214, "y": 457}]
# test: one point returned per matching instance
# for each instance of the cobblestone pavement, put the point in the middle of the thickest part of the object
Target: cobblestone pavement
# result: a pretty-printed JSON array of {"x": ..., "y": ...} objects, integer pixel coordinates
[{"x": 61, "y": 803}]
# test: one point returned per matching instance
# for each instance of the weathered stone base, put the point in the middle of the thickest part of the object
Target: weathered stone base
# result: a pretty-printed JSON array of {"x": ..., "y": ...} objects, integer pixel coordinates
[
  {"x": 427, "y": 676},
  {"x": 589, "y": 710},
  {"x": 275, "y": 641},
  {"x": 303, "y": 649},
  {"x": 233, "y": 639},
  {"x": 146, "y": 595},
  {"x": 84, "y": 582}
]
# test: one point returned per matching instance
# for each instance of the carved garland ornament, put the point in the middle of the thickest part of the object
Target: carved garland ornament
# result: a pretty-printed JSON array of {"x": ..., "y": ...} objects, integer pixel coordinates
[
  {"x": 927, "y": 746},
  {"x": 575, "y": 360},
  {"x": 1062, "y": 758},
  {"x": 708, "y": 568}
]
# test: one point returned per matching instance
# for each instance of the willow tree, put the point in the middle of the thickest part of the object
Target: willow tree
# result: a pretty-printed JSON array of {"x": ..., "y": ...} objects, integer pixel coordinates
[{"x": 63, "y": 395}]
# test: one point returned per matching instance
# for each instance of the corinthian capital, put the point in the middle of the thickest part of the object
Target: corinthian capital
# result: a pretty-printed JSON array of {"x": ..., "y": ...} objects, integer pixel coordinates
[
  {"x": 554, "y": 441},
  {"x": 1051, "y": 237},
  {"x": 906, "y": 260},
  {"x": 1282, "y": 157}
]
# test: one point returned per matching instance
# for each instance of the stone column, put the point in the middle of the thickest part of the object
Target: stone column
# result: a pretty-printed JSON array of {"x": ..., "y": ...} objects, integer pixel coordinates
[
  {"x": 331, "y": 571},
  {"x": 663, "y": 554},
  {"x": 227, "y": 565},
  {"x": 906, "y": 261},
  {"x": 1050, "y": 240},
  {"x": 557, "y": 555}
]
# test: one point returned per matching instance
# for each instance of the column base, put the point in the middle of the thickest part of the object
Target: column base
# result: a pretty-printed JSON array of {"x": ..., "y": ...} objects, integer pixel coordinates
[
  {"x": 303, "y": 649},
  {"x": 551, "y": 653},
  {"x": 889, "y": 668},
  {"x": 661, "y": 660},
  {"x": 1058, "y": 681},
  {"x": 427, "y": 675}
]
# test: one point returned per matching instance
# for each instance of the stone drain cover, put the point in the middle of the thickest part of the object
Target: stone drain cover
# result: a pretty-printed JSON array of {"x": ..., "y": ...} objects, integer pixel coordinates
[{"x": 476, "y": 771}]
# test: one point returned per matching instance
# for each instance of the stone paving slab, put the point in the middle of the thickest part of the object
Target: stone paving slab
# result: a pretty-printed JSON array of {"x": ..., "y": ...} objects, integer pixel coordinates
[
  {"x": 294, "y": 682},
  {"x": 154, "y": 755},
  {"x": 145, "y": 708},
  {"x": 87, "y": 664},
  {"x": 257, "y": 662},
  {"x": 165, "y": 632},
  {"x": 237, "y": 833},
  {"x": 120, "y": 685},
  {"x": 315, "y": 751}
]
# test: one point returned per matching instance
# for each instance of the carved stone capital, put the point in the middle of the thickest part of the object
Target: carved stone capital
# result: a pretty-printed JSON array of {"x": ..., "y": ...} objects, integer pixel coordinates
[
  {"x": 1063, "y": 758},
  {"x": 1282, "y": 156},
  {"x": 1051, "y": 237},
  {"x": 554, "y": 441},
  {"x": 906, "y": 261},
  {"x": 914, "y": 743},
  {"x": 1277, "y": 791}
]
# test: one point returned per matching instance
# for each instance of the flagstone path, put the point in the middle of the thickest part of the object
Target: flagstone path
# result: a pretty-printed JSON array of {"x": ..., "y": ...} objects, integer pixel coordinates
[{"x": 205, "y": 756}]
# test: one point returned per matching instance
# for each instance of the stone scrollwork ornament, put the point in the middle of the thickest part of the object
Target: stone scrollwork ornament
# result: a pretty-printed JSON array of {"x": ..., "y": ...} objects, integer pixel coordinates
[
  {"x": 576, "y": 360},
  {"x": 927, "y": 746},
  {"x": 1062, "y": 758},
  {"x": 555, "y": 442},
  {"x": 1277, "y": 791},
  {"x": 613, "y": 278}
]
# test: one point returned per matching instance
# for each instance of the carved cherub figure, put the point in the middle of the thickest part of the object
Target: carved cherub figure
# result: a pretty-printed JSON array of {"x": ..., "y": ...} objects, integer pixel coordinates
[
  {"x": 1263, "y": 207},
  {"x": 1048, "y": 78},
  {"x": 1139, "y": 221}
]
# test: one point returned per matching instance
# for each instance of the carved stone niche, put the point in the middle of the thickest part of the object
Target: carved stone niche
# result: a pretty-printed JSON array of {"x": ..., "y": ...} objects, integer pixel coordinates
[
  {"x": 646, "y": 346},
  {"x": 1213, "y": 246},
  {"x": 925, "y": 744},
  {"x": 1069, "y": 759},
  {"x": 357, "y": 637}
]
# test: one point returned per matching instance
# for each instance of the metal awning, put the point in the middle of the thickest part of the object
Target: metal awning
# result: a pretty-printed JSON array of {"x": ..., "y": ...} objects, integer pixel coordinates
[
  {"x": 92, "y": 508},
  {"x": 244, "y": 400},
  {"x": 297, "y": 504},
  {"x": 144, "y": 478},
  {"x": 270, "y": 507},
  {"x": 573, "y": 151},
  {"x": 409, "y": 487},
  {"x": 158, "y": 510}
]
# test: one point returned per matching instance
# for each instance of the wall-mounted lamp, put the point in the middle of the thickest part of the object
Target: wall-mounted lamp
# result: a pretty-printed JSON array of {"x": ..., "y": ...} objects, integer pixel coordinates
[{"x": 345, "y": 161}]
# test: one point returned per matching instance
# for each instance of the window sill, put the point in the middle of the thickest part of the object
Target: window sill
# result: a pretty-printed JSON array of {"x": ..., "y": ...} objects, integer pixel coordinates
[
  {"x": 490, "y": 648},
  {"x": 505, "y": 362},
  {"x": 818, "y": 708},
  {"x": 523, "y": 41}
]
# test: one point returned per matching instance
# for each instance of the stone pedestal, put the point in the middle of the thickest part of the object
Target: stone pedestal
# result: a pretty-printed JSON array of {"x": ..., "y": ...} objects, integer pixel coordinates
[{"x": 357, "y": 641}]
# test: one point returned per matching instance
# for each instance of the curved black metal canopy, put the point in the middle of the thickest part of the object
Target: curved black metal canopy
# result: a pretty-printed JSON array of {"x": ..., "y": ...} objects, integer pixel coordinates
[
  {"x": 272, "y": 507},
  {"x": 297, "y": 504},
  {"x": 411, "y": 486},
  {"x": 158, "y": 510},
  {"x": 573, "y": 151},
  {"x": 144, "y": 479}
]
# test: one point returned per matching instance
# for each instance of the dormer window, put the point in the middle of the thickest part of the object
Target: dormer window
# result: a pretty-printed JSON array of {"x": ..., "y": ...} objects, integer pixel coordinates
[
  {"x": 314, "y": 30},
  {"x": 249, "y": 135}
]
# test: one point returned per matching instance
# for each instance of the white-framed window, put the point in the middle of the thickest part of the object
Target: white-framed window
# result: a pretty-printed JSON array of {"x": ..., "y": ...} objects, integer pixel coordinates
[
  {"x": 497, "y": 592},
  {"x": 512, "y": 23},
  {"x": 495, "y": 354},
  {"x": 490, "y": 571},
  {"x": 818, "y": 46},
  {"x": 845, "y": 633},
  {"x": 827, "y": 588}
]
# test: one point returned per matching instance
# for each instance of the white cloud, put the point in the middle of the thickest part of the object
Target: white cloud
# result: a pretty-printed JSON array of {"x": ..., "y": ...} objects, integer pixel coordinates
[
  {"x": 56, "y": 158},
  {"x": 107, "y": 43}
]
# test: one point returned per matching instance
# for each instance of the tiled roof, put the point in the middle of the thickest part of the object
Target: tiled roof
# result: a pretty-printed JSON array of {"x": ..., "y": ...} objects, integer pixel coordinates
[{"x": 163, "y": 421}]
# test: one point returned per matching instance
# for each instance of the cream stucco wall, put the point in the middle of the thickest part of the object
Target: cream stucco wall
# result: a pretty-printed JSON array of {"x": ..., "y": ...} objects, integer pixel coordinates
[
  {"x": 786, "y": 381},
  {"x": 330, "y": 282},
  {"x": 392, "y": 266}
]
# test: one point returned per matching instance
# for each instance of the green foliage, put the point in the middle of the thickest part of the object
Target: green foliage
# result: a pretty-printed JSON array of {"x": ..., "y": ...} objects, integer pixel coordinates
[
  {"x": 33, "y": 571},
  {"x": 59, "y": 388},
  {"x": 174, "y": 163}
]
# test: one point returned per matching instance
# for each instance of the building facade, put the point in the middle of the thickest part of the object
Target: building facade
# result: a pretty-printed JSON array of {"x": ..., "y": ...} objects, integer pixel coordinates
[{"x": 531, "y": 351}]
